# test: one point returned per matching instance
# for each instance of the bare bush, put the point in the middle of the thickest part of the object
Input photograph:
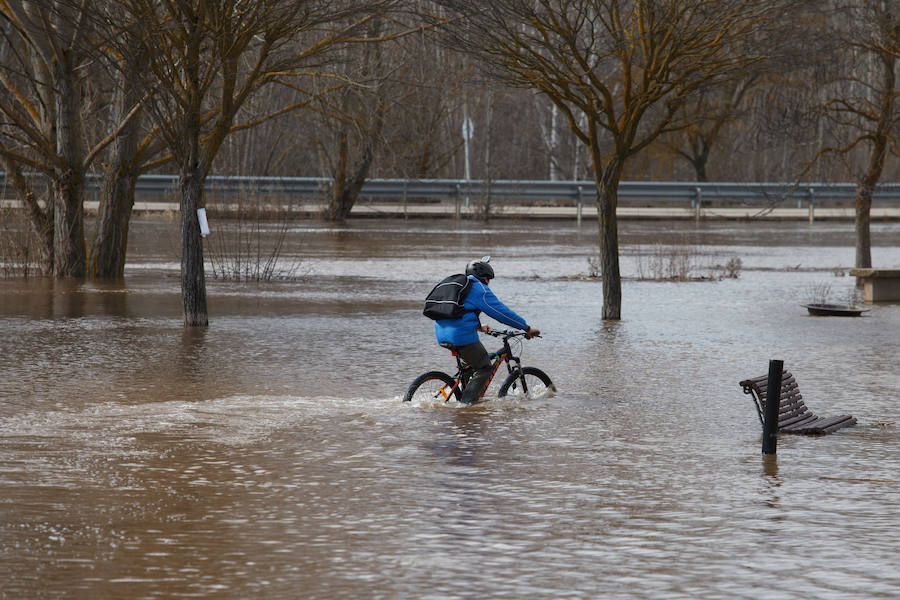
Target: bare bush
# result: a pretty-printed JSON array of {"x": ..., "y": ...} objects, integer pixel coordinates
[
  {"x": 684, "y": 262},
  {"x": 731, "y": 269},
  {"x": 248, "y": 244},
  {"x": 821, "y": 293},
  {"x": 666, "y": 262},
  {"x": 19, "y": 254}
]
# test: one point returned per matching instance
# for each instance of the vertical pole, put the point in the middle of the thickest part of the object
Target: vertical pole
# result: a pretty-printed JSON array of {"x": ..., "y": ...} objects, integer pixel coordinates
[
  {"x": 773, "y": 402},
  {"x": 405, "y": 213},
  {"x": 579, "y": 200},
  {"x": 812, "y": 206},
  {"x": 699, "y": 204},
  {"x": 468, "y": 174},
  {"x": 467, "y": 131}
]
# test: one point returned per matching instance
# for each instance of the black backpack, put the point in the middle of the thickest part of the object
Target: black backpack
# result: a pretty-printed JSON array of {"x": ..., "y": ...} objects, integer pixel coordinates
[{"x": 445, "y": 301}]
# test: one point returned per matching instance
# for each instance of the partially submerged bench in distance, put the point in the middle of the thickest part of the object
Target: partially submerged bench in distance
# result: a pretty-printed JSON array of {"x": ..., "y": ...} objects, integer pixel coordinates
[
  {"x": 879, "y": 285},
  {"x": 793, "y": 415}
]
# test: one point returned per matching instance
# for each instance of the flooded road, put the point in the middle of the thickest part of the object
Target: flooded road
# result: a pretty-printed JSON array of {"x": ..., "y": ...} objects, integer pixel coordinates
[{"x": 270, "y": 456}]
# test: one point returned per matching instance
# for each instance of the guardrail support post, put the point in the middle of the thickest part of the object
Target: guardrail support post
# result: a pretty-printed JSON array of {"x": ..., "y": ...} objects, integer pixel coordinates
[
  {"x": 579, "y": 202},
  {"x": 699, "y": 204},
  {"x": 456, "y": 199},
  {"x": 773, "y": 404},
  {"x": 812, "y": 205},
  {"x": 405, "y": 214}
]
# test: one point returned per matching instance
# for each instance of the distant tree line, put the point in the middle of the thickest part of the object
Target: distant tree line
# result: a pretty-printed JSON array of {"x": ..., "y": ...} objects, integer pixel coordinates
[{"x": 730, "y": 90}]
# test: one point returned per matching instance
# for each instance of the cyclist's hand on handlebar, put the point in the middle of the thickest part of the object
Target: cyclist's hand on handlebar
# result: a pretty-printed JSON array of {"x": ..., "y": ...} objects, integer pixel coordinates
[
  {"x": 532, "y": 333},
  {"x": 485, "y": 328}
]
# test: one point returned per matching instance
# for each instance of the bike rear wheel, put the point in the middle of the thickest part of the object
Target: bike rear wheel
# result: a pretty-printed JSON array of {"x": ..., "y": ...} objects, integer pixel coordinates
[
  {"x": 431, "y": 386},
  {"x": 537, "y": 384}
]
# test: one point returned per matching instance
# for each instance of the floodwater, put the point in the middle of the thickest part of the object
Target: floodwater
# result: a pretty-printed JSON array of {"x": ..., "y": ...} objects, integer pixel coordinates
[{"x": 270, "y": 455}]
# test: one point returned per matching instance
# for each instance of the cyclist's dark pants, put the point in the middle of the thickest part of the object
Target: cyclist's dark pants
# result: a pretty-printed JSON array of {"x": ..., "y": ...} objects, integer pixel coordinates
[{"x": 477, "y": 356}]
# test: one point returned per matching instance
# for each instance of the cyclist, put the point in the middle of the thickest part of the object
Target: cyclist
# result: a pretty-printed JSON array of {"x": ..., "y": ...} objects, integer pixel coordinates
[{"x": 462, "y": 334}]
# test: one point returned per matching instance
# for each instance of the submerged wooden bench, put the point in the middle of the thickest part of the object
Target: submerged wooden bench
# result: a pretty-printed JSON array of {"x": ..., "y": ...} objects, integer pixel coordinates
[{"x": 793, "y": 415}]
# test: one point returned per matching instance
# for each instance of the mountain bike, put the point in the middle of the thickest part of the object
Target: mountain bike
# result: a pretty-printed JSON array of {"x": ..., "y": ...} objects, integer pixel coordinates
[{"x": 524, "y": 382}]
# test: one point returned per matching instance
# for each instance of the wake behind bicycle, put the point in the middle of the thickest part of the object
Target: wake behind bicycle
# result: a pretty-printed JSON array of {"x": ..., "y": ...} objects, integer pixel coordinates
[{"x": 523, "y": 382}]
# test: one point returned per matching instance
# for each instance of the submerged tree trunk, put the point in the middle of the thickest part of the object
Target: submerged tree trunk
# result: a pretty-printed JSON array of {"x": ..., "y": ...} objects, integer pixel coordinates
[
  {"x": 193, "y": 278},
  {"x": 608, "y": 200},
  {"x": 348, "y": 186},
  {"x": 109, "y": 249},
  {"x": 68, "y": 226},
  {"x": 880, "y": 143},
  {"x": 68, "y": 188},
  {"x": 339, "y": 205},
  {"x": 369, "y": 121},
  {"x": 863, "y": 232},
  {"x": 108, "y": 252},
  {"x": 864, "y": 191}
]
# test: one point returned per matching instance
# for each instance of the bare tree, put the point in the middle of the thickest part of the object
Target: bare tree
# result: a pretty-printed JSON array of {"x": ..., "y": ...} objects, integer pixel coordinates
[
  {"x": 714, "y": 110},
  {"x": 377, "y": 73},
  {"x": 205, "y": 61},
  {"x": 134, "y": 148},
  {"x": 423, "y": 131},
  {"x": 357, "y": 112},
  {"x": 618, "y": 68},
  {"x": 60, "y": 116},
  {"x": 777, "y": 86},
  {"x": 44, "y": 94},
  {"x": 864, "y": 101}
]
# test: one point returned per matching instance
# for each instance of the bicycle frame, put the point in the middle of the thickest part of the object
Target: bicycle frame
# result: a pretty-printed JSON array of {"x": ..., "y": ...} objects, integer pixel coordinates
[
  {"x": 504, "y": 354},
  {"x": 435, "y": 385}
]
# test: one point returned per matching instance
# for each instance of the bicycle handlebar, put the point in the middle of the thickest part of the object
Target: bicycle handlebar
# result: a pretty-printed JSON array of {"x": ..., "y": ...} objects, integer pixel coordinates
[{"x": 508, "y": 333}]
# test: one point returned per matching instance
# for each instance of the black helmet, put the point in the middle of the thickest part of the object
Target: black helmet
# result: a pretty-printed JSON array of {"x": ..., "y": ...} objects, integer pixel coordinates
[{"x": 481, "y": 269}]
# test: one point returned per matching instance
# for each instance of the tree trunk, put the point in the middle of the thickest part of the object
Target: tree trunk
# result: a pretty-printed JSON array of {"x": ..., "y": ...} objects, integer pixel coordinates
[
  {"x": 337, "y": 210},
  {"x": 370, "y": 122},
  {"x": 347, "y": 186},
  {"x": 864, "y": 191},
  {"x": 68, "y": 202},
  {"x": 608, "y": 200},
  {"x": 880, "y": 143},
  {"x": 863, "y": 233},
  {"x": 108, "y": 252},
  {"x": 700, "y": 159},
  {"x": 42, "y": 226},
  {"x": 68, "y": 226},
  {"x": 110, "y": 246},
  {"x": 193, "y": 278},
  {"x": 342, "y": 203}
]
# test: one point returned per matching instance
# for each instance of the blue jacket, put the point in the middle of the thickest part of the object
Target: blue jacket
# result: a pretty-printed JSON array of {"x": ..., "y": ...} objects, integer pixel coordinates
[{"x": 464, "y": 330}]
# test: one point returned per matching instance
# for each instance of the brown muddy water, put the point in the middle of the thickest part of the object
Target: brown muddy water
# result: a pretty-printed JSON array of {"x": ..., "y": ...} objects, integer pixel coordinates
[{"x": 270, "y": 456}]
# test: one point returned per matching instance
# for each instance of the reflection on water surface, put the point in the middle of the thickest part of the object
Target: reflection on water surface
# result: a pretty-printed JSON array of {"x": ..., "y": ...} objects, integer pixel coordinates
[{"x": 270, "y": 455}]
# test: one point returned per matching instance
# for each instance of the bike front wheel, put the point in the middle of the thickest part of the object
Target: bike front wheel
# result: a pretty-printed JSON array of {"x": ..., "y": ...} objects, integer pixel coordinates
[
  {"x": 431, "y": 386},
  {"x": 536, "y": 384}
]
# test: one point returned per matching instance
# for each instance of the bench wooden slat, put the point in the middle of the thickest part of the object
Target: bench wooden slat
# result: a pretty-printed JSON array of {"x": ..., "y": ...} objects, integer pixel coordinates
[
  {"x": 845, "y": 421},
  {"x": 793, "y": 414},
  {"x": 799, "y": 420},
  {"x": 822, "y": 425}
]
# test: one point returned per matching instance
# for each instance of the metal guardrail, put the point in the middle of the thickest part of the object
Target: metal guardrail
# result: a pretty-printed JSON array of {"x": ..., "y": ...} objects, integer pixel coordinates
[
  {"x": 661, "y": 191},
  {"x": 695, "y": 197}
]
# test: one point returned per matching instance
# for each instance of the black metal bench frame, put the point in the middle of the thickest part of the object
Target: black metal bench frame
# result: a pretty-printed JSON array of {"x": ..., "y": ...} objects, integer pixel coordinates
[{"x": 793, "y": 414}]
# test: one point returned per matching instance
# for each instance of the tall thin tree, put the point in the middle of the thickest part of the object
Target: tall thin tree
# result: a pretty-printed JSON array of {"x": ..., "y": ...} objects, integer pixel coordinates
[
  {"x": 205, "y": 60},
  {"x": 863, "y": 102},
  {"x": 620, "y": 71}
]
